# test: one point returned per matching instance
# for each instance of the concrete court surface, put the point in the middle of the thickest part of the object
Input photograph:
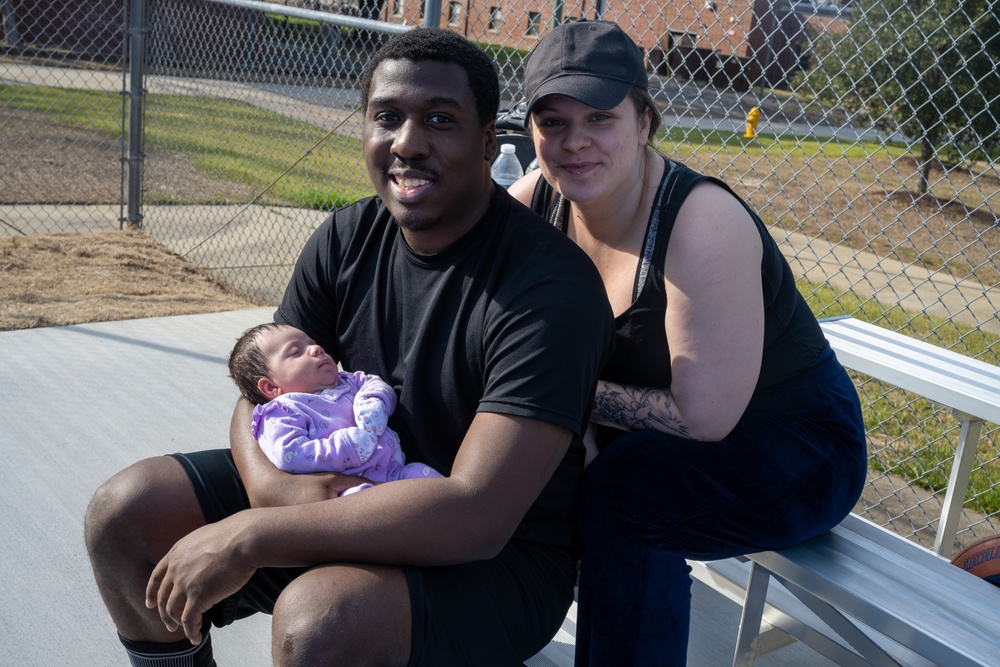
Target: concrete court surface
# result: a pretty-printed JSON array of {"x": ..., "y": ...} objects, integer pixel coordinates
[{"x": 79, "y": 403}]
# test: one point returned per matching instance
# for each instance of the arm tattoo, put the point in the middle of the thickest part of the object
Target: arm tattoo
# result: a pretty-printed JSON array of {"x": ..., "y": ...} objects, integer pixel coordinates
[{"x": 638, "y": 409}]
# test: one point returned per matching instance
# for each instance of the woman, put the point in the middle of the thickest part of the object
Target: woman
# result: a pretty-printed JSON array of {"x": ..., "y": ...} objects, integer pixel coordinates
[{"x": 727, "y": 424}]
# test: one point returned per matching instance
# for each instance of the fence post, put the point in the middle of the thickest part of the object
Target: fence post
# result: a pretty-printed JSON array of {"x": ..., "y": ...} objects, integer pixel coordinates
[
  {"x": 136, "y": 110},
  {"x": 432, "y": 13},
  {"x": 10, "y": 23}
]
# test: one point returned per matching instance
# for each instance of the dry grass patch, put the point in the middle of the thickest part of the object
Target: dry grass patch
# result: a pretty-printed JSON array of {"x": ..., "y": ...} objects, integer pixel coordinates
[{"x": 61, "y": 279}]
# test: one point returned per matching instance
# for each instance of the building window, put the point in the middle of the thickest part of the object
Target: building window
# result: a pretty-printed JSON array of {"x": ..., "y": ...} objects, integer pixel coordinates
[
  {"x": 534, "y": 21},
  {"x": 683, "y": 40},
  {"x": 496, "y": 19},
  {"x": 398, "y": 10},
  {"x": 454, "y": 12}
]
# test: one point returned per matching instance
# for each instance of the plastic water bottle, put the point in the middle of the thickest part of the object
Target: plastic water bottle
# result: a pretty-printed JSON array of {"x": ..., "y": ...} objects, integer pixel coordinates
[{"x": 507, "y": 168}]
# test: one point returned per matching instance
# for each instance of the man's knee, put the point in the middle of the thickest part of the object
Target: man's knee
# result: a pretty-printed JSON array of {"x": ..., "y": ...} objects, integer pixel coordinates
[
  {"x": 145, "y": 507},
  {"x": 343, "y": 615},
  {"x": 109, "y": 511}
]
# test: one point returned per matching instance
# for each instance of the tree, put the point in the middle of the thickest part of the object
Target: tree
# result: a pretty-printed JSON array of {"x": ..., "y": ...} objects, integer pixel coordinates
[{"x": 927, "y": 68}]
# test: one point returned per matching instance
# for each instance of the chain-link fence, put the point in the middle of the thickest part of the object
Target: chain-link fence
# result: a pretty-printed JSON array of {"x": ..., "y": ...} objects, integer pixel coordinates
[{"x": 873, "y": 160}]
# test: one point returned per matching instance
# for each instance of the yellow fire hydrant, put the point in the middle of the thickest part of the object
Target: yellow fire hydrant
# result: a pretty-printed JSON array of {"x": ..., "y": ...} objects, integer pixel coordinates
[{"x": 753, "y": 117}]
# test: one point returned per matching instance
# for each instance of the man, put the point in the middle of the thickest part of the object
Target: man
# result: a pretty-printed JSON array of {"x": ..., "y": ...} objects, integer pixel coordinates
[{"x": 489, "y": 324}]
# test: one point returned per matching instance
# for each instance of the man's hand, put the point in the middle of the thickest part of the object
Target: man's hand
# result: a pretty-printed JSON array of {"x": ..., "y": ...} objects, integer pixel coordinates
[
  {"x": 317, "y": 486},
  {"x": 266, "y": 485},
  {"x": 200, "y": 570}
]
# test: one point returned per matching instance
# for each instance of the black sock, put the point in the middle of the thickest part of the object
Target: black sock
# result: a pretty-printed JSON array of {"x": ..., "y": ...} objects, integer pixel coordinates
[{"x": 175, "y": 654}]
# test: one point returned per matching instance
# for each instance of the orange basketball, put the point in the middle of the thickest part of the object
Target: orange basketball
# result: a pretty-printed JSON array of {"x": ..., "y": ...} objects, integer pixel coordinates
[{"x": 981, "y": 558}]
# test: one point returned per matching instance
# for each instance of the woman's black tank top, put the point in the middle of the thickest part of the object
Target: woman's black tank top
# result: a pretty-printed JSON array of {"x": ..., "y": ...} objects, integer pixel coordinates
[{"x": 792, "y": 336}]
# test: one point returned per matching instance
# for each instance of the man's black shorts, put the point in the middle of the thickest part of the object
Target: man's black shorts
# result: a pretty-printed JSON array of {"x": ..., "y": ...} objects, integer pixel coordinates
[{"x": 495, "y": 612}]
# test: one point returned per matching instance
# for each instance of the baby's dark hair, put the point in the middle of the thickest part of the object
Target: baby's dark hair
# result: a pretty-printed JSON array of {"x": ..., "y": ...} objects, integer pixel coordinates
[
  {"x": 247, "y": 363},
  {"x": 447, "y": 47}
]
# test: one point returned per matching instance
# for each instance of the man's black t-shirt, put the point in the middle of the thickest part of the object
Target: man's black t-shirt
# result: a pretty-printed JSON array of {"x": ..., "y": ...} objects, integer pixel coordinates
[{"x": 510, "y": 319}]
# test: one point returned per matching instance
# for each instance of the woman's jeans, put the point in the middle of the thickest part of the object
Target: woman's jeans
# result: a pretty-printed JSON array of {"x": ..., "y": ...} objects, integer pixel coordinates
[{"x": 792, "y": 468}]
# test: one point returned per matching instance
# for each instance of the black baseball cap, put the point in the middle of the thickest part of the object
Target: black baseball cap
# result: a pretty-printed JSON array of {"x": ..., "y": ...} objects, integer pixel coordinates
[{"x": 594, "y": 62}]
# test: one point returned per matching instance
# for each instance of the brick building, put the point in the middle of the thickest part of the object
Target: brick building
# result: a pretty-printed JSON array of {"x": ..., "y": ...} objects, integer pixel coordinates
[
  {"x": 728, "y": 40},
  {"x": 93, "y": 28}
]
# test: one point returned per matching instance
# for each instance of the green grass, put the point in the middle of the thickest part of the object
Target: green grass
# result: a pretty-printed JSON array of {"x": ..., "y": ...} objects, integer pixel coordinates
[
  {"x": 244, "y": 144},
  {"x": 213, "y": 133},
  {"x": 227, "y": 139},
  {"x": 500, "y": 53},
  {"x": 85, "y": 108},
  {"x": 967, "y": 340},
  {"x": 684, "y": 142},
  {"x": 919, "y": 436}
]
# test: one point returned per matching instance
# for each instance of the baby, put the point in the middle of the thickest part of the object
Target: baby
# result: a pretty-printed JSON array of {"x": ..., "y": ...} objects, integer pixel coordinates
[{"x": 312, "y": 417}]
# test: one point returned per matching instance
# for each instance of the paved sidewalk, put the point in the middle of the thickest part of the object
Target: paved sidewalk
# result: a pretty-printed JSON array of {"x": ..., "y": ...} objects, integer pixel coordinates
[
  {"x": 890, "y": 281},
  {"x": 78, "y": 404}
]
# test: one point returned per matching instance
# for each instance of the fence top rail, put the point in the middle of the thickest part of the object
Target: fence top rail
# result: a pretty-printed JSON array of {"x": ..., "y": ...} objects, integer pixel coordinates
[{"x": 344, "y": 20}]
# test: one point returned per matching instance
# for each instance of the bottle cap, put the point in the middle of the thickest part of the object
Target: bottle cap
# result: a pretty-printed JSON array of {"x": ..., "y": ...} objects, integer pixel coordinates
[{"x": 507, "y": 148}]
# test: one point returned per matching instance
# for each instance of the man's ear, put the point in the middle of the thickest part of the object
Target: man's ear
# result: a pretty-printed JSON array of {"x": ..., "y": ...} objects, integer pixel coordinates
[
  {"x": 490, "y": 132},
  {"x": 268, "y": 388}
]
